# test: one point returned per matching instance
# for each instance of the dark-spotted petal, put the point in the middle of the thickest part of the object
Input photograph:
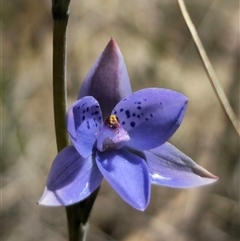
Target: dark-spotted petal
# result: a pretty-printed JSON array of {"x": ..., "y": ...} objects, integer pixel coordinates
[
  {"x": 170, "y": 167},
  {"x": 107, "y": 81},
  {"x": 127, "y": 174},
  {"x": 84, "y": 119},
  {"x": 151, "y": 116},
  {"x": 71, "y": 179}
]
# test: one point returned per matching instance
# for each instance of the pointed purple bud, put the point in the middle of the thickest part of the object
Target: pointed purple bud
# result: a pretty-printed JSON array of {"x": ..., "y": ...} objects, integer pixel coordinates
[{"x": 107, "y": 81}]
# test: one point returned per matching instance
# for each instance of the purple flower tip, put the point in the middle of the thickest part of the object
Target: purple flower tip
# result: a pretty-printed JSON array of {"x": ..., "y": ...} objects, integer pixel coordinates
[{"x": 107, "y": 81}]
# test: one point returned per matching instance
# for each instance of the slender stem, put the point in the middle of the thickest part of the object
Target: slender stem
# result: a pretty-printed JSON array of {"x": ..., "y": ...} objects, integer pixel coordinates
[
  {"x": 76, "y": 231},
  {"x": 60, "y": 12},
  {"x": 78, "y": 214},
  {"x": 208, "y": 67},
  {"x": 59, "y": 84}
]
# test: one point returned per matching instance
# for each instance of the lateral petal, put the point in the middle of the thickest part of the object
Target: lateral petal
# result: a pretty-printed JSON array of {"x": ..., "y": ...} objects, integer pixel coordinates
[
  {"x": 151, "y": 116},
  {"x": 71, "y": 179},
  {"x": 84, "y": 119},
  {"x": 168, "y": 166}
]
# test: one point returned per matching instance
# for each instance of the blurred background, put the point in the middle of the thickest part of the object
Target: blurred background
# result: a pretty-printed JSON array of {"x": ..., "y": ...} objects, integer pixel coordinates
[{"x": 158, "y": 51}]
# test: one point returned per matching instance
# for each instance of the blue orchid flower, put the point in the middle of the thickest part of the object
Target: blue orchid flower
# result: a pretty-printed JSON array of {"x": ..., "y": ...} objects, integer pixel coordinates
[{"x": 121, "y": 137}]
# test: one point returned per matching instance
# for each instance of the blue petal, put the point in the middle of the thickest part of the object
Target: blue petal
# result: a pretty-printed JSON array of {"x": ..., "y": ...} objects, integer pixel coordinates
[
  {"x": 71, "y": 179},
  {"x": 84, "y": 119},
  {"x": 127, "y": 174},
  {"x": 107, "y": 81},
  {"x": 170, "y": 167},
  {"x": 151, "y": 116}
]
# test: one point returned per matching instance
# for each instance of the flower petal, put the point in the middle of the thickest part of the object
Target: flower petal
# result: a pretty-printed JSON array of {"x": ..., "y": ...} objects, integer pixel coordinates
[
  {"x": 151, "y": 116},
  {"x": 107, "y": 81},
  {"x": 84, "y": 119},
  {"x": 170, "y": 167},
  {"x": 71, "y": 179},
  {"x": 127, "y": 174}
]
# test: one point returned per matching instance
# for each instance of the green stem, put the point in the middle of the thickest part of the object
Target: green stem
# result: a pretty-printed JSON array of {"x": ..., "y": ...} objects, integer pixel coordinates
[
  {"x": 78, "y": 214},
  {"x": 60, "y": 12},
  {"x": 59, "y": 84}
]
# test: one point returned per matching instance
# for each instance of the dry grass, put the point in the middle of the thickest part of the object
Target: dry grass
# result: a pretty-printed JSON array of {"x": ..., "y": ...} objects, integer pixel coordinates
[{"x": 158, "y": 51}]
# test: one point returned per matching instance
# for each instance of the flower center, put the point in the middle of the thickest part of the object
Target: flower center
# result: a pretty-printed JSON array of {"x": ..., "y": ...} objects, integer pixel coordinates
[
  {"x": 112, "y": 122},
  {"x": 112, "y": 135}
]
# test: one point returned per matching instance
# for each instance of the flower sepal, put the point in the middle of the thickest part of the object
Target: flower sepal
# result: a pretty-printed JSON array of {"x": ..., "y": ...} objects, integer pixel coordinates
[{"x": 169, "y": 167}]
